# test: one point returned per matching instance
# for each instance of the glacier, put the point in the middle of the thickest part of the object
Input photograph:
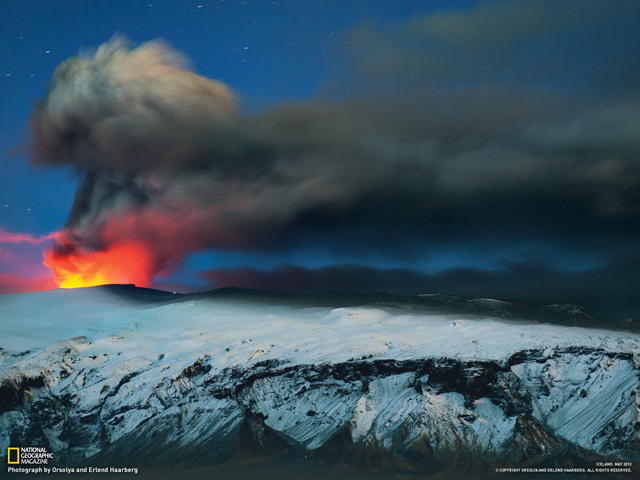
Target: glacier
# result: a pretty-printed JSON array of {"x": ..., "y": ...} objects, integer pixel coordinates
[{"x": 243, "y": 380}]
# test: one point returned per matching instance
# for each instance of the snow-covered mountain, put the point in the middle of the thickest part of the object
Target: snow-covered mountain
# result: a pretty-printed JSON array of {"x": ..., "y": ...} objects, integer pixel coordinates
[{"x": 389, "y": 386}]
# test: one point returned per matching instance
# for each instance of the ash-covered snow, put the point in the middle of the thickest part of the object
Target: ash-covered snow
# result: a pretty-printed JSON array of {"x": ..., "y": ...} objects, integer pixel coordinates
[{"x": 196, "y": 373}]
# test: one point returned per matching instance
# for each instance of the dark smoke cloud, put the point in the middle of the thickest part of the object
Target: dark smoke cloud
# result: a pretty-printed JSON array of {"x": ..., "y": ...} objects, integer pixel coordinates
[
  {"x": 542, "y": 43},
  {"x": 168, "y": 160},
  {"x": 609, "y": 291},
  {"x": 122, "y": 108}
]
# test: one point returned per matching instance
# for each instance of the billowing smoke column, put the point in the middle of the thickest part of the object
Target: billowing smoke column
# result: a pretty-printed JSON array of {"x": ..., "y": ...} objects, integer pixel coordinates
[
  {"x": 134, "y": 123},
  {"x": 169, "y": 167}
]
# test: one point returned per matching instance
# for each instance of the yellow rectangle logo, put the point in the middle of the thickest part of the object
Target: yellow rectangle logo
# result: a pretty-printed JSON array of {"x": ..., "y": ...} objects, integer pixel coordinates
[{"x": 13, "y": 455}]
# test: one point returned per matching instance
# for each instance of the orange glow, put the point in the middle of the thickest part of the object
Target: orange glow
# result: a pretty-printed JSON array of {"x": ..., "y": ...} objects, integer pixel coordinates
[{"x": 125, "y": 263}]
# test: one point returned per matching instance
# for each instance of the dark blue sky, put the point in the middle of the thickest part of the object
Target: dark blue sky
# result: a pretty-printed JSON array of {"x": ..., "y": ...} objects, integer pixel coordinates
[{"x": 520, "y": 119}]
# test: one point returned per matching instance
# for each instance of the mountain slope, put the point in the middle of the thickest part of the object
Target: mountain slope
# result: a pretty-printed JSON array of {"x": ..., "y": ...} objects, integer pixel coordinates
[{"x": 392, "y": 389}]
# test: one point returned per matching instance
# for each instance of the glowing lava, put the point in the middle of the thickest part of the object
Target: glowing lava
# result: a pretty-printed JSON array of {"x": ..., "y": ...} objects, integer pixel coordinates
[{"x": 77, "y": 267}]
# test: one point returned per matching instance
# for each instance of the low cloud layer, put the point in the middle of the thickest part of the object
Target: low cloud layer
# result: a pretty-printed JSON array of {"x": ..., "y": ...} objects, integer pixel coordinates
[{"x": 606, "y": 292}]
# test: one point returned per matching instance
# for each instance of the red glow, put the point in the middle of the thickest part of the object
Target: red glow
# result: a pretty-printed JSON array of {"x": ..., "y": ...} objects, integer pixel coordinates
[
  {"x": 14, "y": 283},
  {"x": 134, "y": 245},
  {"x": 124, "y": 263}
]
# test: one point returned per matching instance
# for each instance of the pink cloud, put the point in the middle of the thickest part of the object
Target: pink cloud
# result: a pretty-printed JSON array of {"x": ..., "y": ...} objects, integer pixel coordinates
[
  {"x": 12, "y": 283},
  {"x": 6, "y": 256},
  {"x": 9, "y": 237}
]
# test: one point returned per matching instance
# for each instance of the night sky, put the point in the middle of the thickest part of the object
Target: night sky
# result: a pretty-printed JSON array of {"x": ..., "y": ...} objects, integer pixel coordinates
[{"x": 474, "y": 148}]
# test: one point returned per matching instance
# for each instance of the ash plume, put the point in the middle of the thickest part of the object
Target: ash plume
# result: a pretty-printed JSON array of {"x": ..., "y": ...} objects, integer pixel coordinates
[{"x": 169, "y": 161}]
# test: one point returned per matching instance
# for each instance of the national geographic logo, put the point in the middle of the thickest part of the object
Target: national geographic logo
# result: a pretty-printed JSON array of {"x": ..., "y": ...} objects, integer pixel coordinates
[
  {"x": 28, "y": 456},
  {"x": 13, "y": 457}
]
